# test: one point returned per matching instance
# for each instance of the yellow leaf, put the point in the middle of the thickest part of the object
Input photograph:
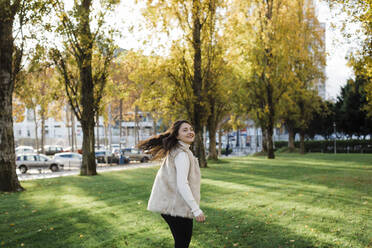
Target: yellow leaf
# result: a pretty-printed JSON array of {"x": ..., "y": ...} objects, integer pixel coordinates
[{"x": 81, "y": 235}]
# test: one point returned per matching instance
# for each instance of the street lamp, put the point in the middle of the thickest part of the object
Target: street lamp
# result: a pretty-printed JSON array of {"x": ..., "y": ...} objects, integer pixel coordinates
[{"x": 334, "y": 130}]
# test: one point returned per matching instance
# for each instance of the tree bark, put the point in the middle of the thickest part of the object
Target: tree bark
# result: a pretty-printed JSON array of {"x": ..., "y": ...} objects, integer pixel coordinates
[
  {"x": 264, "y": 139},
  {"x": 270, "y": 143},
  {"x": 36, "y": 129},
  {"x": 8, "y": 176},
  {"x": 291, "y": 137},
  {"x": 219, "y": 141},
  {"x": 212, "y": 129},
  {"x": 198, "y": 109},
  {"x": 302, "y": 142},
  {"x": 42, "y": 143},
  {"x": 88, "y": 167}
]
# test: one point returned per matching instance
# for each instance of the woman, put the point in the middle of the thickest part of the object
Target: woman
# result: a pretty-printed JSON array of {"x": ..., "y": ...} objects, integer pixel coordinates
[{"x": 176, "y": 190}]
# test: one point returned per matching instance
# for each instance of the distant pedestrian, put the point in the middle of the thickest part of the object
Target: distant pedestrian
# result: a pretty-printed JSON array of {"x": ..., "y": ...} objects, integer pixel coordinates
[
  {"x": 176, "y": 190},
  {"x": 227, "y": 149}
]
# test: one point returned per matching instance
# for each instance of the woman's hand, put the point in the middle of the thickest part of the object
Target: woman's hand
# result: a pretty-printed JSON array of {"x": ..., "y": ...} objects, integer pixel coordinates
[{"x": 200, "y": 218}]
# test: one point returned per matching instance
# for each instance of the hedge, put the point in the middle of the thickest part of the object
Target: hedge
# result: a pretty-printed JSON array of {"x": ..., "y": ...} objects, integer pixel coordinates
[{"x": 327, "y": 146}]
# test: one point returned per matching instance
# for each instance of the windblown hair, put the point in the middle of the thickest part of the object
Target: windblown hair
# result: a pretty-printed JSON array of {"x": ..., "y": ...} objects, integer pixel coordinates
[{"x": 159, "y": 145}]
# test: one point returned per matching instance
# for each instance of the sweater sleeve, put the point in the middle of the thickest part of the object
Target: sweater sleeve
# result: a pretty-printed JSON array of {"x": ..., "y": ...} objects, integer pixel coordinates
[{"x": 182, "y": 163}]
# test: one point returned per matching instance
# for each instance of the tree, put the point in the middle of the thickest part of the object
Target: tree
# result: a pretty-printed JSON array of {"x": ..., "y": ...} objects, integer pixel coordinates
[
  {"x": 12, "y": 12},
  {"x": 308, "y": 61},
  {"x": 351, "y": 116},
  {"x": 38, "y": 89},
  {"x": 360, "y": 58},
  {"x": 189, "y": 54},
  {"x": 322, "y": 122},
  {"x": 263, "y": 39},
  {"x": 83, "y": 66}
]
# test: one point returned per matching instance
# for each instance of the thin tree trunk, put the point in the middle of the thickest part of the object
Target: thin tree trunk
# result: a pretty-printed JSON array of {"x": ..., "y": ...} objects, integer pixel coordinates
[
  {"x": 270, "y": 144},
  {"x": 219, "y": 141},
  {"x": 212, "y": 129},
  {"x": 42, "y": 131},
  {"x": 36, "y": 129},
  {"x": 302, "y": 142},
  {"x": 73, "y": 137},
  {"x": 120, "y": 121},
  {"x": 264, "y": 140},
  {"x": 97, "y": 123},
  {"x": 68, "y": 125},
  {"x": 291, "y": 137},
  {"x": 197, "y": 86},
  {"x": 154, "y": 121},
  {"x": 136, "y": 133},
  {"x": 8, "y": 176}
]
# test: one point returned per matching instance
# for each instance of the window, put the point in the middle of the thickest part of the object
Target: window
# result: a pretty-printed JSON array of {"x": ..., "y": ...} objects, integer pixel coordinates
[
  {"x": 28, "y": 133},
  {"x": 29, "y": 158}
]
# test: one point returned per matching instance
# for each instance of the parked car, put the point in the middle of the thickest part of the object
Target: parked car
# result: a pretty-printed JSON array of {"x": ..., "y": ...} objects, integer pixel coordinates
[
  {"x": 101, "y": 157},
  {"x": 24, "y": 162},
  {"x": 69, "y": 159},
  {"x": 51, "y": 150},
  {"x": 24, "y": 149},
  {"x": 135, "y": 154}
]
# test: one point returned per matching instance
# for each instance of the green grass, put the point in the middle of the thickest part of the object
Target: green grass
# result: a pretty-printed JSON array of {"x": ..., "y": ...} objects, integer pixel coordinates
[{"x": 315, "y": 200}]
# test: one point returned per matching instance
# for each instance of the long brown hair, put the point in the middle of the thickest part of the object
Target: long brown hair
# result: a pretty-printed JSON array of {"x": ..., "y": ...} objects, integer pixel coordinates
[{"x": 159, "y": 145}]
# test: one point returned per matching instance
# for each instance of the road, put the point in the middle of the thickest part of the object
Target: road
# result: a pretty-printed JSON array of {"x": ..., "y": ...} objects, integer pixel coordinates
[{"x": 46, "y": 173}]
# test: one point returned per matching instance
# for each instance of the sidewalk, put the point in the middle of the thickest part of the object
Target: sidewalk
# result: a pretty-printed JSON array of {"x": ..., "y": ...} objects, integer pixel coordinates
[{"x": 46, "y": 173}]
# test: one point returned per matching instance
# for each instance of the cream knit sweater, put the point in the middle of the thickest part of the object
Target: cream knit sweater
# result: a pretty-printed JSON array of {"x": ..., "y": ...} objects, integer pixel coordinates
[{"x": 167, "y": 195}]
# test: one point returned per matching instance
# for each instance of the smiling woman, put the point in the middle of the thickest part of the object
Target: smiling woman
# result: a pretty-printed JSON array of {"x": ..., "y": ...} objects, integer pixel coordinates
[{"x": 176, "y": 190}]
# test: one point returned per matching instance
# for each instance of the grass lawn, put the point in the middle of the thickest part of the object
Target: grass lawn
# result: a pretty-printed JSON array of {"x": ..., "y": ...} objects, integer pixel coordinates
[{"x": 315, "y": 200}]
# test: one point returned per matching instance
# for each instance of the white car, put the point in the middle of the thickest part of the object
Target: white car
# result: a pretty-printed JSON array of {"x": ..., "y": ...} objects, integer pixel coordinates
[
  {"x": 24, "y": 149},
  {"x": 69, "y": 159},
  {"x": 25, "y": 162}
]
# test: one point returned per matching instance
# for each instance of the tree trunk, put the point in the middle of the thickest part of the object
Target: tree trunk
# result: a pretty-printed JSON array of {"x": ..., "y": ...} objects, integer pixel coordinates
[
  {"x": 97, "y": 130},
  {"x": 88, "y": 167},
  {"x": 136, "y": 133},
  {"x": 120, "y": 121},
  {"x": 68, "y": 125},
  {"x": 36, "y": 129},
  {"x": 73, "y": 136},
  {"x": 8, "y": 176},
  {"x": 199, "y": 147},
  {"x": 264, "y": 140},
  {"x": 154, "y": 125},
  {"x": 197, "y": 86},
  {"x": 302, "y": 142},
  {"x": 42, "y": 143},
  {"x": 270, "y": 144},
  {"x": 291, "y": 137},
  {"x": 219, "y": 141},
  {"x": 212, "y": 129}
]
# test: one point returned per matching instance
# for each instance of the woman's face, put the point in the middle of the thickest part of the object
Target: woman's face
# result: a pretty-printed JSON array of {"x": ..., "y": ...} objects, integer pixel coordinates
[{"x": 186, "y": 133}]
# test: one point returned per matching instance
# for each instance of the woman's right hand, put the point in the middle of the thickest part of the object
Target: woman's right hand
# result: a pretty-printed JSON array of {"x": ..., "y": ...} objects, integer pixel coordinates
[{"x": 200, "y": 218}]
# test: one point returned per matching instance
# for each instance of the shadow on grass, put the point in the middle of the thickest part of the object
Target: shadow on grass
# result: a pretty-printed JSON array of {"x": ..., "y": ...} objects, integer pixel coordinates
[
  {"x": 355, "y": 177},
  {"x": 233, "y": 228}
]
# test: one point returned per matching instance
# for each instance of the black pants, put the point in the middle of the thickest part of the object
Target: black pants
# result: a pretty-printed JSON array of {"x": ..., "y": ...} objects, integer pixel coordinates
[{"x": 181, "y": 229}]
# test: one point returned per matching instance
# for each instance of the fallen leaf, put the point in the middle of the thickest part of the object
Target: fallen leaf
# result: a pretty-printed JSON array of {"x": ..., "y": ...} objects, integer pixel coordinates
[
  {"x": 236, "y": 244},
  {"x": 12, "y": 224},
  {"x": 81, "y": 235},
  {"x": 292, "y": 240},
  {"x": 52, "y": 228},
  {"x": 22, "y": 244}
]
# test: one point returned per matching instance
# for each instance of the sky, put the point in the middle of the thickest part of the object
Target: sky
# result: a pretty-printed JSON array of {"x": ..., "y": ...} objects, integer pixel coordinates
[
  {"x": 337, "y": 71},
  {"x": 128, "y": 15}
]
